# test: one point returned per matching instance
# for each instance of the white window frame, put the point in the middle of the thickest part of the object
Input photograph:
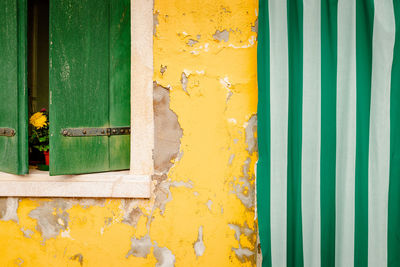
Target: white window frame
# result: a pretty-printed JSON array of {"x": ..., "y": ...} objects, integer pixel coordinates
[{"x": 134, "y": 183}]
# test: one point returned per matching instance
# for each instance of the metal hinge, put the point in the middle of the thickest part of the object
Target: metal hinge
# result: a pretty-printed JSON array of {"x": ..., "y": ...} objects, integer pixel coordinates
[
  {"x": 7, "y": 132},
  {"x": 82, "y": 132}
]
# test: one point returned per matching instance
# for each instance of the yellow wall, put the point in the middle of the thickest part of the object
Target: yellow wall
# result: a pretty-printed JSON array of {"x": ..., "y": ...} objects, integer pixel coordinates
[{"x": 202, "y": 212}]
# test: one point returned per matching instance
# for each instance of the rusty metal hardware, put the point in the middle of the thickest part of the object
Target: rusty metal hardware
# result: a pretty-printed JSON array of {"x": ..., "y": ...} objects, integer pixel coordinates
[
  {"x": 82, "y": 132},
  {"x": 7, "y": 132}
]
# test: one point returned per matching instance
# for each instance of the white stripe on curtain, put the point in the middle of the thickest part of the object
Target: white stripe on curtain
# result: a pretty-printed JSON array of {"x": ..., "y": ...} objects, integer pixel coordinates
[
  {"x": 279, "y": 128},
  {"x": 346, "y": 134},
  {"x": 379, "y": 141},
  {"x": 311, "y": 137}
]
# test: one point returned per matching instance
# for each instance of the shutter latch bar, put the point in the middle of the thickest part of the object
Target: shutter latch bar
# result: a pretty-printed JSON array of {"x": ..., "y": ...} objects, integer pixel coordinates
[
  {"x": 82, "y": 132},
  {"x": 7, "y": 132}
]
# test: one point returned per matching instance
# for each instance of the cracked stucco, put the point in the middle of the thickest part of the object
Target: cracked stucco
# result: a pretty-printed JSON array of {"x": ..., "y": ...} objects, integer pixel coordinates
[{"x": 201, "y": 212}]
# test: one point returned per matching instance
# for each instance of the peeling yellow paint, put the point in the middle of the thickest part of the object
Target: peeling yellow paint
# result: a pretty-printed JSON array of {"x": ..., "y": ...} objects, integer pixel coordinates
[{"x": 212, "y": 44}]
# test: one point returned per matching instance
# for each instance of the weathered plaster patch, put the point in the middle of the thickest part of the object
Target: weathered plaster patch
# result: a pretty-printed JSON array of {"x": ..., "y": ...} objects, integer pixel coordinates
[
  {"x": 254, "y": 28},
  {"x": 8, "y": 209},
  {"x": 168, "y": 132},
  {"x": 140, "y": 247},
  {"x": 51, "y": 217},
  {"x": 199, "y": 246},
  {"x": 239, "y": 230},
  {"x": 221, "y": 35},
  {"x": 163, "y": 193},
  {"x": 155, "y": 22},
  {"x": 133, "y": 216},
  {"x": 184, "y": 82},
  {"x": 243, "y": 253},
  {"x": 164, "y": 257},
  {"x": 192, "y": 42},
  {"x": 250, "y": 133},
  {"x": 163, "y": 69},
  {"x": 27, "y": 232},
  {"x": 244, "y": 190},
  {"x": 78, "y": 257}
]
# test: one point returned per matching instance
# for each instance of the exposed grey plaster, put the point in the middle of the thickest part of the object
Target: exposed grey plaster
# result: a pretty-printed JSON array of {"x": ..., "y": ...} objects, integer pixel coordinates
[
  {"x": 155, "y": 22},
  {"x": 8, "y": 209},
  {"x": 164, "y": 257},
  {"x": 27, "y": 232},
  {"x": 199, "y": 246},
  {"x": 250, "y": 133},
  {"x": 192, "y": 42},
  {"x": 132, "y": 217},
  {"x": 163, "y": 196},
  {"x": 184, "y": 82},
  {"x": 221, "y": 35},
  {"x": 168, "y": 132},
  {"x": 140, "y": 247},
  {"x": 51, "y": 217},
  {"x": 239, "y": 230},
  {"x": 242, "y": 253},
  {"x": 254, "y": 28},
  {"x": 163, "y": 193},
  {"x": 245, "y": 190},
  {"x": 163, "y": 69}
]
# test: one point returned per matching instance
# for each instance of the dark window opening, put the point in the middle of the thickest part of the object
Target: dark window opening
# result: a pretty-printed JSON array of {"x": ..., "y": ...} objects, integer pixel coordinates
[{"x": 38, "y": 67}]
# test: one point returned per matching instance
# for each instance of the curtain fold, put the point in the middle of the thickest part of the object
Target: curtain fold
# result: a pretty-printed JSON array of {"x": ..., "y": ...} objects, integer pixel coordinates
[{"x": 328, "y": 175}]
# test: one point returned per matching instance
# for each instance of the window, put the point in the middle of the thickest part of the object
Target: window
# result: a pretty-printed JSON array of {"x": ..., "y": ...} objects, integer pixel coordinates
[{"x": 88, "y": 92}]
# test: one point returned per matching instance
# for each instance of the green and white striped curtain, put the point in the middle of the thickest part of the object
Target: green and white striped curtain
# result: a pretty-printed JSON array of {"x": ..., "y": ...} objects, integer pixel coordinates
[{"x": 328, "y": 177}]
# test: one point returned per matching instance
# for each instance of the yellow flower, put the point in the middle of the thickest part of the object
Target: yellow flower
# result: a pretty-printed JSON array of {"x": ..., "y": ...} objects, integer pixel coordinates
[{"x": 39, "y": 120}]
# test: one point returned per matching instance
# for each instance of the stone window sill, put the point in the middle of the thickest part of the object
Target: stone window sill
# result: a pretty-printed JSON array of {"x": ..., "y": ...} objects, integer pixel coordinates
[{"x": 105, "y": 185}]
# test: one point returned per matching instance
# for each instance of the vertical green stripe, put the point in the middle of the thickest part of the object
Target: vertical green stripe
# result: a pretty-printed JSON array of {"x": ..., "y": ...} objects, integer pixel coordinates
[
  {"x": 328, "y": 129},
  {"x": 264, "y": 135},
  {"x": 394, "y": 173},
  {"x": 294, "y": 220},
  {"x": 364, "y": 33}
]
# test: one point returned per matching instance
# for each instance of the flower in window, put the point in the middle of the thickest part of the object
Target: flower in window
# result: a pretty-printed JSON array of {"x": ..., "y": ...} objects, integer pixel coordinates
[{"x": 38, "y": 120}]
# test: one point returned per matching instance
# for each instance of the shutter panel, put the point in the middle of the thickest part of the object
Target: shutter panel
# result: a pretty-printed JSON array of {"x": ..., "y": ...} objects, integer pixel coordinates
[
  {"x": 13, "y": 88},
  {"x": 89, "y": 84}
]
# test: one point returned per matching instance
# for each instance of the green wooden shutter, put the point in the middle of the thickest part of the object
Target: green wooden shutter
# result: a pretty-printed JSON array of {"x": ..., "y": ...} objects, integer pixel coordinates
[
  {"x": 13, "y": 87},
  {"x": 89, "y": 84}
]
